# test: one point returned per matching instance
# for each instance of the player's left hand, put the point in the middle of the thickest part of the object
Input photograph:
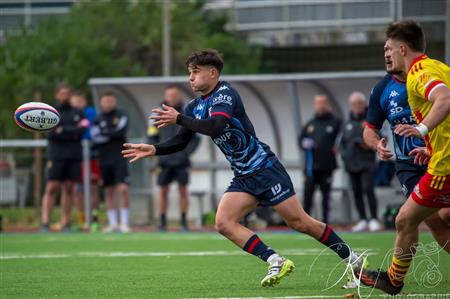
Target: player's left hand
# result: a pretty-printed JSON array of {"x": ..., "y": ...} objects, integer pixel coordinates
[
  {"x": 421, "y": 155},
  {"x": 407, "y": 131},
  {"x": 165, "y": 117}
]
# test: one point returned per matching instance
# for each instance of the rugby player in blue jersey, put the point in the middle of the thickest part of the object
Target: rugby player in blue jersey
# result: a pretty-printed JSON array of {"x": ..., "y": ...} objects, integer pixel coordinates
[
  {"x": 389, "y": 101},
  {"x": 260, "y": 179}
]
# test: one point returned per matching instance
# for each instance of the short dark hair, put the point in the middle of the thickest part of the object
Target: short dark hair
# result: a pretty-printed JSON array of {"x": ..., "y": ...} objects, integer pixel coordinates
[
  {"x": 206, "y": 57},
  {"x": 78, "y": 93},
  {"x": 107, "y": 94},
  {"x": 409, "y": 32},
  {"x": 172, "y": 86},
  {"x": 63, "y": 86}
]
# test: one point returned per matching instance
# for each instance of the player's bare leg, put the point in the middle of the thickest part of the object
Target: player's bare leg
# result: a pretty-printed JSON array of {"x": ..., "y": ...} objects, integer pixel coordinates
[
  {"x": 163, "y": 204},
  {"x": 407, "y": 222},
  {"x": 296, "y": 218},
  {"x": 48, "y": 202},
  {"x": 124, "y": 206},
  {"x": 67, "y": 194},
  {"x": 111, "y": 209},
  {"x": 440, "y": 229},
  {"x": 232, "y": 208},
  {"x": 184, "y": 204},
  {"x": 444, "y": 214}
]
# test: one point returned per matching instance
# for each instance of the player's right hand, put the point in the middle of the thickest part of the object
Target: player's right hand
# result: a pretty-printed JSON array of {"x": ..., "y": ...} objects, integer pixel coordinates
[
  {"x": 383, "y": 152},
  {"x": 138, "y": 151}
]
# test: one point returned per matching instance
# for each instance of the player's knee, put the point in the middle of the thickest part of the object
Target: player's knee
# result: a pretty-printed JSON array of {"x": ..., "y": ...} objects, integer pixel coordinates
[
  {"x": 51, "y": 188},
  {"x": 403, "y": 222},
  {"x": 123, "y": 188},
  {"x": 223, "y": 226}
]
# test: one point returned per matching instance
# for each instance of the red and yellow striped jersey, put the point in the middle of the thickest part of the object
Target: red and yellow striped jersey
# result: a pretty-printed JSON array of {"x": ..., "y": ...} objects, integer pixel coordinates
[{"x": 424, "y": 76}]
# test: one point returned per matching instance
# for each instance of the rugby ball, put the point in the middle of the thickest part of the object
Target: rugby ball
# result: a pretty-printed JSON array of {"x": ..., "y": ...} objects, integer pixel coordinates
[{"x": 36, "y": 117}]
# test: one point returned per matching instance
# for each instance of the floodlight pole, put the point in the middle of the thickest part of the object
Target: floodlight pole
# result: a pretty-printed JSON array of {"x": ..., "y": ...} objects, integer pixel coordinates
[{"x": 166, "y": 47}]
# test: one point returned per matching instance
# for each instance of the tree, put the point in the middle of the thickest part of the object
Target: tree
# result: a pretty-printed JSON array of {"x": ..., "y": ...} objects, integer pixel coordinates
[{"x": 109, "y": 39}]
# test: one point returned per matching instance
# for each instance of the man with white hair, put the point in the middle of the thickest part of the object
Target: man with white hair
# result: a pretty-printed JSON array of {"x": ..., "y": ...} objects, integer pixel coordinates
[{"x": 359, "y": 162}]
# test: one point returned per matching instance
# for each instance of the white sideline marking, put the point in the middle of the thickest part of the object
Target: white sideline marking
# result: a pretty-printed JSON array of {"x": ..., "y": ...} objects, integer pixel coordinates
[
  {"x": 428, "y": 295},
  {"x": 311, "y": 251}
]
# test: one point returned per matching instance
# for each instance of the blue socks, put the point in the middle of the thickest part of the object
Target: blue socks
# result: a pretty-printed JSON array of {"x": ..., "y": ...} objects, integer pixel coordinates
[
  {"x": 257, "y": 247},
  {"x": 330, "y": 239}
]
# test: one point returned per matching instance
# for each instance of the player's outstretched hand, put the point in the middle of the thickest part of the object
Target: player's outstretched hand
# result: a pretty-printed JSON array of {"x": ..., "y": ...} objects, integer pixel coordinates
[
  {"x": 420, "y": 155},
  {"x": 383, "y": 152},
  {"x": 407, "y": 131},
  {"x": 138, "y": 151},
  {"x": 165, "y": 117}
]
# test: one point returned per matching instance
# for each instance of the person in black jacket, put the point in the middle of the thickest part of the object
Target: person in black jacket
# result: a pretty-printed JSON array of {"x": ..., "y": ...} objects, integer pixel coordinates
[
  {"x": 359, "y": 161},
  {"x": 174, "y": 167},
  {"x": 318, "y": 139},
  {"x": 64, "y": 158},
  {"x": 109, "y": 133}
]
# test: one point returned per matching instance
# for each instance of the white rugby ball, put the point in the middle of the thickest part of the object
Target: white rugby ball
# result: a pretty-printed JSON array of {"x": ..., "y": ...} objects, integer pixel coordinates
[{"x": 36, "y": 117}]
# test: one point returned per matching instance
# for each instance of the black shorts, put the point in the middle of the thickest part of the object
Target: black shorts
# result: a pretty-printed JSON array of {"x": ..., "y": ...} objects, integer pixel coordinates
[
  {"x": 409, "y": 175},
  {"x": 270, "y": 186},
  {"x": 63, "y": 170},
  {"x": 170, "y": 174},
  {"x": 114, "y": 172}
]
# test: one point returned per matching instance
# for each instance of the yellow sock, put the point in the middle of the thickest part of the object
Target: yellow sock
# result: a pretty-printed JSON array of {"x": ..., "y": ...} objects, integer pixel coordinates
[{"x": 397, "y": 271}]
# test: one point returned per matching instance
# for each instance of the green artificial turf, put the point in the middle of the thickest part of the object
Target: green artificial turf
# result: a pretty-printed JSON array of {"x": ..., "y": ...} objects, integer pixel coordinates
[{"x": 193, "y": 265}]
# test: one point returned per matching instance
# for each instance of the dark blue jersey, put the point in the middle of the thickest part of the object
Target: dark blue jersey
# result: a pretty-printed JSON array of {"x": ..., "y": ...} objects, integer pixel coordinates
[
  {"x": 238, "y": 140},
  {"x": 389, "y": 101}
]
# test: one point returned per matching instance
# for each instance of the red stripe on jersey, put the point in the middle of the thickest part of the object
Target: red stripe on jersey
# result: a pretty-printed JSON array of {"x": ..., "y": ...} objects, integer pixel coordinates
[
  {"x": 417, "y": 59},
  {"x": 430, "y": 87},
  {"x": 221, "y": 113},
  {"x": 369, "y": 125}
]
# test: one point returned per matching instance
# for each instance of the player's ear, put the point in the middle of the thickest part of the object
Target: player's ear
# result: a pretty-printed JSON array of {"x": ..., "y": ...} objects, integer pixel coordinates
[{"x": 403, "y": 49}]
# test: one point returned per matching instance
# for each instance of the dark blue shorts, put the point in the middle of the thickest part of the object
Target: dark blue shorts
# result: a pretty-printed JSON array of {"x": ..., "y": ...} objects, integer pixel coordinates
[
  {"x": 270, "y": 186},
  {"x": 409, "y": 175}
]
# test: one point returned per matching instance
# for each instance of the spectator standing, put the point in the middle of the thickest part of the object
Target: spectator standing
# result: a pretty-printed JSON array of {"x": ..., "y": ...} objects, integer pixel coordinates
[
  {"x": 174, "y": 167},
  {"x": 359, "y": 161},
  {"x": 79, "y": 101},
  {"x": 318, "y": 140},
  {"x": 63, "y": 158},
  {"x": 109, "y": 133}
]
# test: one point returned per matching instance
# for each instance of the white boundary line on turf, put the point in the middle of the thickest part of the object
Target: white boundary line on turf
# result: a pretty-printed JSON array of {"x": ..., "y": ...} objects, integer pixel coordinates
[
  {"x": 290, "y": 252},
  {"x": 428, "y": 295}
]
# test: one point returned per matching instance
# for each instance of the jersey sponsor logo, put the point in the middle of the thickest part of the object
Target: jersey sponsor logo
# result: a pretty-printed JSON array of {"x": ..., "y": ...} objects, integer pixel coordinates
[
  {"x": 395, "y": 109},
  {"x": 223, "y": 87},
  {"x": 276, "y": 189},
  {"x": 393, "y": 94},
  {"x": 222, "y": 98},
  {"x": 222, "y": 138}
]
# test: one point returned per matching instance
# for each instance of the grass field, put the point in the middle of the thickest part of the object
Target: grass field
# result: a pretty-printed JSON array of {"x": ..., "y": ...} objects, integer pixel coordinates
[{"x": 192, "y": 265}]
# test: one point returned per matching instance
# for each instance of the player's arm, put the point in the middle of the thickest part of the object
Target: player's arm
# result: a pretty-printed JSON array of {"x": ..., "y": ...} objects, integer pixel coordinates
[
  {"x": 435, "y": 91},
  {"x": 172, "y": 145},
  {"x": 440, "y": 109},
  {"x": 375, "y": 119},
  {"x": 212, "y": 126}
]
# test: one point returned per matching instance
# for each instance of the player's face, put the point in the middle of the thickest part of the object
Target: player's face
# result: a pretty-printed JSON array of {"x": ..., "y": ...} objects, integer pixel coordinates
[
  {"x": 393, "y": 57},
  {"x": 78, "y": 102},
  {"x": 172, "y": 97},
  {"x": 202, "y": 78},
  {"x": 321, "y": 105},
  {"x": 108, "y": 103},
  {"x": 63, "y": 95}
]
